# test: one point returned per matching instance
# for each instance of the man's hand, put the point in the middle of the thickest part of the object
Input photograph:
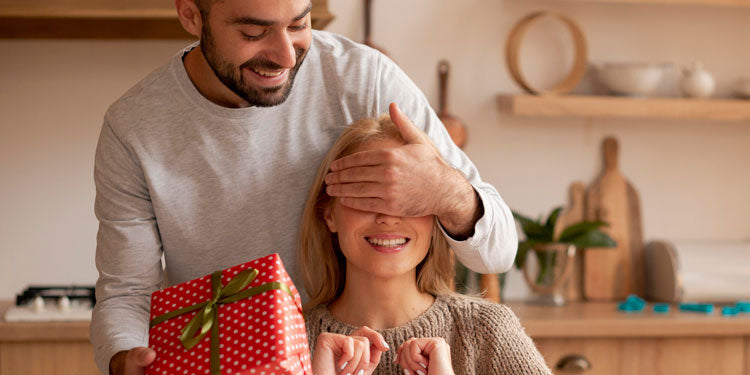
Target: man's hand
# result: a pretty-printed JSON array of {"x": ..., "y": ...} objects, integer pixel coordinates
[
  {"x": 131, "y": 362},
  {"x": 409, "y": 181},
  {"x": 358, "y": 354},
  {"x": 425, "y": 356}
]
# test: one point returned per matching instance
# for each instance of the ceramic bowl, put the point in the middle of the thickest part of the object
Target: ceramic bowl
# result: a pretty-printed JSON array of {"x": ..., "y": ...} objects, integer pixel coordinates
[{"x": 631, "y": 79}]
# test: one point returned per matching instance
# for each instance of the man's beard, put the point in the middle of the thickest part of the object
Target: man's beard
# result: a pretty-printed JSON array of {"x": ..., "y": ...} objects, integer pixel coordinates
[{"x": 231, "y": 75}]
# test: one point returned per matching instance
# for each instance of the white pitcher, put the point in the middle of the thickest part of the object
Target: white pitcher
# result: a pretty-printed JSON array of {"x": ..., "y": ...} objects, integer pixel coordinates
[{"x": 697, "y": 82}]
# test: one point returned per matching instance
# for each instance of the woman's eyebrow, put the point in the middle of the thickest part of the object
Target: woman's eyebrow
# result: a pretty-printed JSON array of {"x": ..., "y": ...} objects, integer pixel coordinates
[{"x": 247, "y": 20}]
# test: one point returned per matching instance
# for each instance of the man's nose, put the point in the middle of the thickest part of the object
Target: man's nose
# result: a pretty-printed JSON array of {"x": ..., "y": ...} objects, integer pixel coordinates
[
  {"x": 387, "y": 219},
  {"x": 282, "y": 50}
]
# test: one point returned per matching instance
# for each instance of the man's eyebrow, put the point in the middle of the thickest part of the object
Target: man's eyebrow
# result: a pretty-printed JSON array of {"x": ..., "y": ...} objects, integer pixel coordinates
[
  {"x": 256, "y": 21},
  {"x": 303, "y": 14}
]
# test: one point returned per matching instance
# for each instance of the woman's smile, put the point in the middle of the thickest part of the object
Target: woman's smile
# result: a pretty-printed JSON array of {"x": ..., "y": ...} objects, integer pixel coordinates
[{"x": 388, "y": 243}]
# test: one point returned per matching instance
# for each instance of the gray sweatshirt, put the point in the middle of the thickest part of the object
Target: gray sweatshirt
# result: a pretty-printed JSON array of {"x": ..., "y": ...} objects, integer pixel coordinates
[{"x": 210, "y": 187}]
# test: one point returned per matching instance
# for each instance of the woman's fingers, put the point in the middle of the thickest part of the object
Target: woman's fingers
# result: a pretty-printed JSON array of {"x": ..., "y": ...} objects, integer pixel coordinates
[
  {"x": 411, "y": 358},
  {"x": 347, "y": 350},
  {"x": 377, "y": 344},
  {"x": 360, "y": 359},
  {"x": 420, "y": 356},
  {"x": 375, "y": 338}
]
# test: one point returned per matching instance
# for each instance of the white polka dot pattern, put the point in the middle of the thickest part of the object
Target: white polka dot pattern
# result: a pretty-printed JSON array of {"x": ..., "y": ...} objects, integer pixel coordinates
[{"x": 264, "y": 334}]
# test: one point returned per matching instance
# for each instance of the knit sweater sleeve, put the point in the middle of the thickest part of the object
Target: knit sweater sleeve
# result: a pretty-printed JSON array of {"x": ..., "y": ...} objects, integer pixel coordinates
[
  {"x": 313, "y": 326},
  {"x": 506, "y": 345}
]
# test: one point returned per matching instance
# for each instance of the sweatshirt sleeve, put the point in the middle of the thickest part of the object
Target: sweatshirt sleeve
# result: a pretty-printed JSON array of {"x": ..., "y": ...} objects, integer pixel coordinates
[
  {"x": 505, "y": 344},
  {"x": 492, "y": 247},
  {"x": 128, "y": 250}
]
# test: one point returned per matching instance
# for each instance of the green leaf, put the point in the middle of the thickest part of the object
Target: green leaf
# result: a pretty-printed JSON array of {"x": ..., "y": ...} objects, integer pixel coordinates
[
  {"x": 552, "y": 218},
  {"x": 533, "y": 229},
  {"x": 575, "y": 230},
  {"x": 593, "y": 238}
]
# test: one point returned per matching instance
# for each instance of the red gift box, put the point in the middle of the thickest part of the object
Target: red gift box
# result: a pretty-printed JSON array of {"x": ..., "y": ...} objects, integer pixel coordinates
[{"x": 243, "y": 320}]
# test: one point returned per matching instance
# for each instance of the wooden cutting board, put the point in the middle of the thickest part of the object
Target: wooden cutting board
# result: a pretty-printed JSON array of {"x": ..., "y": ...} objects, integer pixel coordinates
[
  {"x": 612, "y": 273},
  {"x": 573, "y": 213}
]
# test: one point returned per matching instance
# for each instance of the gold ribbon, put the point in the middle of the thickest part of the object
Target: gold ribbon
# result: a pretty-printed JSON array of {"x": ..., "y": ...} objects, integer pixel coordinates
[{"x": 207, "y": 319}]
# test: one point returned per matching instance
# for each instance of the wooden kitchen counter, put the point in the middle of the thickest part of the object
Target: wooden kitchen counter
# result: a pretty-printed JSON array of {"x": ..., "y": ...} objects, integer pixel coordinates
[
  {"x": 644, "y": 343},
  {"x": 44, "y": 347},
  {"x": 589, "y": 319}
]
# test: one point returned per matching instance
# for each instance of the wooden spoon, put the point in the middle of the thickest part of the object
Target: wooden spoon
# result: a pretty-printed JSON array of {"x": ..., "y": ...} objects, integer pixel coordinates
[
  {"x": 368, "y": 28},
  {"x": 455, "y": 127}
]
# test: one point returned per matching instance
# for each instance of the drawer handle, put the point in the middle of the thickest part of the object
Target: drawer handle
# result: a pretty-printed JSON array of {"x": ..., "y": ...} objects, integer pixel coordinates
[{"x": 573, "y": 364}]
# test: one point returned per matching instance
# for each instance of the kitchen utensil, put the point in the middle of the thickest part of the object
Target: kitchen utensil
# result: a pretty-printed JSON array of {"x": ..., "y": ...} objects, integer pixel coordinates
[
  {"x": 637, "y": 249},
  {"x": 513, "y": 47},
  {"x": 662, "y": 272},
  {"x": 368, "y": 27},
  {"x": 613, "y": 273},
  {"x": 696, "y": 82},
  {"x": 571, "y": 214},
  {"x": 630, "y": 78},
  {"x": 455, "y": 127}
]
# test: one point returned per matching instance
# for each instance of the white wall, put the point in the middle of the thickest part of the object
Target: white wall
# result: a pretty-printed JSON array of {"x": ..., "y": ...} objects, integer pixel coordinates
[{"x": 692, "y": 176}]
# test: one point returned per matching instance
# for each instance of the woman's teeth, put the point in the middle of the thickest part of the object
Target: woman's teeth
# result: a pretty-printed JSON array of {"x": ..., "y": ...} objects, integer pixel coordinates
[
  {"x": 392, "y": 242},
  {"x": 266, "y": 73}
]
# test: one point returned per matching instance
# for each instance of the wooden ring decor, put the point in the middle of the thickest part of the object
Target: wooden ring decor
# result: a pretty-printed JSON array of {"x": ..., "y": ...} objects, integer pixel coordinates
[{"x": 513, "y": 46}]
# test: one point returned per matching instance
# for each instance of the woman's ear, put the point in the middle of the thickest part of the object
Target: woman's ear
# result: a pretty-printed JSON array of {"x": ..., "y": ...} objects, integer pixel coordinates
[
  {"x": 328, "y": 216},
  {"x": 189, "y": 16}
]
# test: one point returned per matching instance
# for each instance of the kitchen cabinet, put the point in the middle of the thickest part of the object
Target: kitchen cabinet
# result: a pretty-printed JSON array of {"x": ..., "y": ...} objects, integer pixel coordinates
[
  {"x": 613, "y": 343},
  {"x": 105, "y": 19},
  {"x": 644, "y": 343},
  {"x": 618, "y": 107},
  {"x": 48, "y": 348}
]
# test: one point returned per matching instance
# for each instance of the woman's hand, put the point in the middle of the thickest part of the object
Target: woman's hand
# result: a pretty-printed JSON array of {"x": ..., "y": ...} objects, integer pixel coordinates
[
  {"x": 425, "y": 356},
  {"x": 358, "y": 354}
]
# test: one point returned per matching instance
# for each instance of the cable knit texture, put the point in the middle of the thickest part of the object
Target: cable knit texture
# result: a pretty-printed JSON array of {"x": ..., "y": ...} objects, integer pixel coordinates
[{"x": 484, "y": 337}]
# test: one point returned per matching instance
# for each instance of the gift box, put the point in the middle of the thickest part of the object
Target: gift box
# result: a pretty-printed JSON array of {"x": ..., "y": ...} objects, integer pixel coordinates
[{"x": 243, "y": 320}]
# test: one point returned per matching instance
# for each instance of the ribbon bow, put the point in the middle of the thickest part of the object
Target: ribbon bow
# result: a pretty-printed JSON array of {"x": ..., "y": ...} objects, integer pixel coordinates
[{"x": 207, "y": 319}]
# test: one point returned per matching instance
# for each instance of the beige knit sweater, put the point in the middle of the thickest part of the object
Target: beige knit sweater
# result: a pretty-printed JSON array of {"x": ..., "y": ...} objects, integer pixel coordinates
[{"x": 485, "y": 338}]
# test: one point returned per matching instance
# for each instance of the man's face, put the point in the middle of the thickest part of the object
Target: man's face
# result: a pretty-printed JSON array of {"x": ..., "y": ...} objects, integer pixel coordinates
[{"x": 255, "y": 47}]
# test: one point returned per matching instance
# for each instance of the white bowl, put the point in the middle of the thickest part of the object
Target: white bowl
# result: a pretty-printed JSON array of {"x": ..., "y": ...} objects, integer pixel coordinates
[{"x": 631, "y": 79}]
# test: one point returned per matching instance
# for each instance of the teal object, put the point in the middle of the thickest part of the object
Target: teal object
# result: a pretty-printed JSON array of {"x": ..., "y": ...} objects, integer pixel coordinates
[
  {"x": 632, "y": 304},
  {"x": 661, "y": 307},
  {"x": 743, "y": 306},
  {"x": 729, "y": 310},
  {"x": 705, "y": 308}
]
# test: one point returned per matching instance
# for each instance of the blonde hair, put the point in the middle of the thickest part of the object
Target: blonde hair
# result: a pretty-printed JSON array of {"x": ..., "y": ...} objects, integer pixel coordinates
[{"x": 321, "y": 262}]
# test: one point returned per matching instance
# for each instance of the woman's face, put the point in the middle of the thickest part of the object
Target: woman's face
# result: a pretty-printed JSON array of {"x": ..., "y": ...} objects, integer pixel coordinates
[{"x": 382, "y": 245}]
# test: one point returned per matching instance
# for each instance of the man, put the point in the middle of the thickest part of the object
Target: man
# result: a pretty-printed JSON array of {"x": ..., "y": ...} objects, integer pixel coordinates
[{"x": 208, "y": 160}]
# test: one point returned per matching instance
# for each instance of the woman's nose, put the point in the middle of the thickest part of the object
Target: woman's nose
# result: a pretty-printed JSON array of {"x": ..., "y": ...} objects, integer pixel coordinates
[{"x": 387, "y": 219}]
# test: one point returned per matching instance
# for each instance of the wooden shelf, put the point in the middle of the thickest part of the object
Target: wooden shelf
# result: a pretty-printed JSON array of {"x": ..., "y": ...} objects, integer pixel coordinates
[
  {"x": 105, "y": 19},
  {"x": 724, "y": 3},
  {"x": 615, "y": 107}
]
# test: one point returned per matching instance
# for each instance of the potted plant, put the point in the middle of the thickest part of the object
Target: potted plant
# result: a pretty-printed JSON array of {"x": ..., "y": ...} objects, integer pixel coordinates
[{"x": 554, "y": 254}]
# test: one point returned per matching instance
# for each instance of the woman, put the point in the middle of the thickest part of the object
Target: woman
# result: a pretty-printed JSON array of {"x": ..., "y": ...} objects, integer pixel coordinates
[{"x": 390, "y": 277}]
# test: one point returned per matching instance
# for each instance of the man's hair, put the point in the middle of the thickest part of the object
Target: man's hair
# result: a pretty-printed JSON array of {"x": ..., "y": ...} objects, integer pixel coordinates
[
  {"x": 320, "y": 260},
  {"x": 203, "y": 7}
]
